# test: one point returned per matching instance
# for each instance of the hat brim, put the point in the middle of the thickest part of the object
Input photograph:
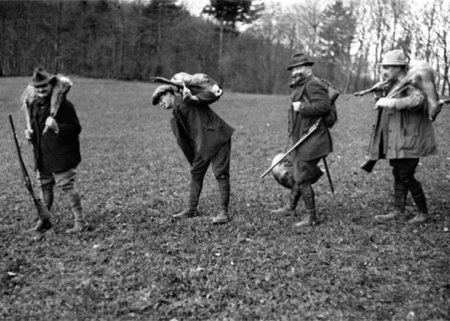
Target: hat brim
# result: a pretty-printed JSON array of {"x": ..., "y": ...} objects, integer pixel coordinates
[
  {"x": 155, "y": 99},
  {"x": 307, "y": 63},
  {"x": 161, "y": 91},
  {"x": 43, "y": 82},
  {"x": 393, "y": 64}
]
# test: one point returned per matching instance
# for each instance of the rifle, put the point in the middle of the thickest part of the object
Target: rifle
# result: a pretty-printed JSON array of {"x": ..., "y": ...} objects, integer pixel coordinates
[
  {"x": 377, "y": 87},
  {"x": 311, "y": 130},
  {"x": 42, "y": 211},
  {"x": 442, "y": 102}
]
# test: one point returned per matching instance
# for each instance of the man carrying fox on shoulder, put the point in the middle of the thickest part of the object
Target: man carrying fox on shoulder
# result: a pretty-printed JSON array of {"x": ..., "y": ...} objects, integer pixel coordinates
[
  {"x": 403, "y": 131},
  {"x": 53, "y": 129}
]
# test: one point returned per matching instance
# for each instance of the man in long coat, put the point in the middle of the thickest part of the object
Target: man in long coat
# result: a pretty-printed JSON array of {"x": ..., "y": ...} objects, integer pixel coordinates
[
  {"x": 56, "y": 150},
  {"x": 402, "y": 133},
  {"x": 205, "y": 139},
  {"x": 310, "y": 103}
]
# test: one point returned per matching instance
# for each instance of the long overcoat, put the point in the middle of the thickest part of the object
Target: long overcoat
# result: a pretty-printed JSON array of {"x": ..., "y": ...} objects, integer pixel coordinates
[
  {"x": 315, "y": 103},
  {"x": 198, "y": 129},
  {"x": 407, "y": 130},
  {"x": 53, "y": 152}
]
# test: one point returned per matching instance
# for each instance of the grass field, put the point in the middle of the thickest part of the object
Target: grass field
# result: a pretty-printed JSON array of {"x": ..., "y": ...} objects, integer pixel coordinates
[{"x": 134, "y": 264}]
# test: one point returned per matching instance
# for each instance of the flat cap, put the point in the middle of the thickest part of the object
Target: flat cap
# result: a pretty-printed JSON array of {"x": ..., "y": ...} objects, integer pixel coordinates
[{"x": 159, "y": 91}]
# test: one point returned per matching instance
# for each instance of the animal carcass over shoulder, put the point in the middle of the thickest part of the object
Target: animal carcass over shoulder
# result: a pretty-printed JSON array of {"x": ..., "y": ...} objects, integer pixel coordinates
[{"x": 201, "y": 85}]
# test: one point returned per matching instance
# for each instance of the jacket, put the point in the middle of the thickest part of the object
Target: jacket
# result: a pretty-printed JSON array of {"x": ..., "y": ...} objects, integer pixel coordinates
[
  {"x": 315, "y": 103},
  {"x": 53, "y": 152},
  {"x": 404, "y": 131},
  {"x": 198, "y": 129}
]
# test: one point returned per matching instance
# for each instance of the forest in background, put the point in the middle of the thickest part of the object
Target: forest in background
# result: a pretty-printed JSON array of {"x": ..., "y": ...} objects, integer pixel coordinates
[{"x": 244, "y": 44}]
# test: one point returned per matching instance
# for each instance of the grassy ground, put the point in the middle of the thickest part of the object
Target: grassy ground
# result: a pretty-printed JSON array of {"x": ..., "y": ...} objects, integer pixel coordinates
[{"x": 134, "y": 264}]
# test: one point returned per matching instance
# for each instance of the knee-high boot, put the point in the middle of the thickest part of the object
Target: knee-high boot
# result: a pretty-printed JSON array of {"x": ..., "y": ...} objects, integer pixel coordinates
[
  {"x": 44, "y": 223},
  {"x": 75, "y": 205},
  {"x": 224, "y": 191},
  {"x": 289, "y": 208},
  {"x": 308, "y": 198},
  {"x": 47, "y": 197},
  {"x": 400, "y": 194},
  {"x": 419, "y": 198},
  {"x": 195, "y": 190}
]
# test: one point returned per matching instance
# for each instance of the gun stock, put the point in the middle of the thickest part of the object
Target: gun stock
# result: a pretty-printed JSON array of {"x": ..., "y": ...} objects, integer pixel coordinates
[{"x": 368, "y": 165}]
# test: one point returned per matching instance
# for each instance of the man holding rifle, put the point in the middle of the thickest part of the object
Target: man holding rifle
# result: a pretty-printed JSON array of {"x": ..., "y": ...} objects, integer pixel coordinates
[
  {"x": 402, "y": 133},
  {"x": 56, "y": 146},
  {"x": 310, "y": 104}
]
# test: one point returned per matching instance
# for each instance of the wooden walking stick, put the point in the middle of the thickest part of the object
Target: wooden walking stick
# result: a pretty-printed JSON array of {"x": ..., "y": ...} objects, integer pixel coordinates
[{"x": 328, "y": 174}]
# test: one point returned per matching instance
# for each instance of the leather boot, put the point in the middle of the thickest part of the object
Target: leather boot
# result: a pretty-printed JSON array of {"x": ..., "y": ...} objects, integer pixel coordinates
[
  {"x": 289, "y": 208},
  {"x": 309, "y": 220},
  {"x": 308, "y": 198},
  {"x": 222, "y": 218},
  {"x": 186, "y": 213},
  {"x": 224, "y": 191},
  {"x": 419, "y": 198},
  {"x": 44, "y": 223},
  {"x": 389, "y": 216},
  {"x": 47, "y": 197},
  {"x": 400, "y": 194},
  {"x": 194, "y": 194},
  {"x": 75, "y": 204},
  {"x": 419, "y": 218}
]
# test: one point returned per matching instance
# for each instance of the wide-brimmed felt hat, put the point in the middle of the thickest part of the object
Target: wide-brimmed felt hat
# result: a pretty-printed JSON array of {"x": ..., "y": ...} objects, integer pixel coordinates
[
  {"x": 41, "y": 77},
  {"x": 299, "y": 59},
  {"x": 159, "y": 91},
  {"x": 394, "y": 58}
]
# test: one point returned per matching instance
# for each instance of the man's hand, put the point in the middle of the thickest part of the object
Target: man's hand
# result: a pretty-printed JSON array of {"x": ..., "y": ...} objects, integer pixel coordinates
[
  {"x": 29, "y": 134},
  {"x": 296, "y": 105},
  {"x": 385, "y": 102},
  {"x": 187, "y": 94},
  {"x": 50, "y": 122}
]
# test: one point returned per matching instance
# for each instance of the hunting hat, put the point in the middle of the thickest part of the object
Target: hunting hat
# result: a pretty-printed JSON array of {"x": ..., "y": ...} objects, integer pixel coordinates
[
  {"x": 299, "y": 59},
  {"x": 394, "y": 58},
  {"x": 161, "y": 90},
  {"x": 41, "y": 77}
]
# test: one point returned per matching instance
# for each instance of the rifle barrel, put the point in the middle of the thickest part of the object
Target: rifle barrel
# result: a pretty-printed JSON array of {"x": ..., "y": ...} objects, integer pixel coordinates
[{"x": 301, "y": 140}]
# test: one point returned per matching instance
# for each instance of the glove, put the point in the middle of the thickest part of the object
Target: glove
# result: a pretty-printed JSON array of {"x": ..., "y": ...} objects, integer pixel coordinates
[
  {"x": 50, "y": 123},
  {"x": 385, "y": 102},
  {"x": 29, "y": 134}
]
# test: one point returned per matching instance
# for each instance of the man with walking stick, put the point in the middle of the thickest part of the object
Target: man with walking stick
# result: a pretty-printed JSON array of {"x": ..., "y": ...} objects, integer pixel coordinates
[{"x": 310, "y": 107}]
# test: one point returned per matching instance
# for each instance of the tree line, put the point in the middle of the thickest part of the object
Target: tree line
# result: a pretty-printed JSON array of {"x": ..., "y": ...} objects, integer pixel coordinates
[{"x": 244, "y": 44}]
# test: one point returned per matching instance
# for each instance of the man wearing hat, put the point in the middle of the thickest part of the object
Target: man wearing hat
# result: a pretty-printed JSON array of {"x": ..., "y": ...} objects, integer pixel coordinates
[
  {"x": 402, "y": 133},
  {"x": 205, "y": 139},
  {"x": 56, "y": 146},
  {"x": 310, "y": 103}
]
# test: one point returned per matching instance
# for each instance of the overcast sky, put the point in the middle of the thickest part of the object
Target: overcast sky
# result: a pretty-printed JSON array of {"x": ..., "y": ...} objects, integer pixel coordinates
[{"x": 196, "y": 6}]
